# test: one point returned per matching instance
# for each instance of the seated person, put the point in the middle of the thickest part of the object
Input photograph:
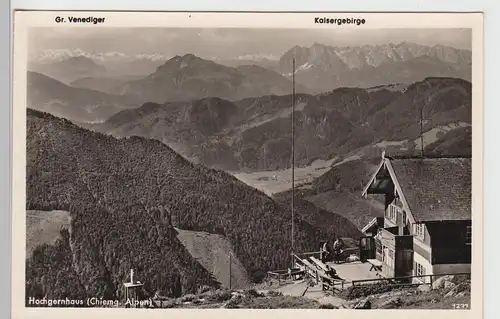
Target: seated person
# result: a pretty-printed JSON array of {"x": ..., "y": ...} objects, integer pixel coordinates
[
  {"x": 338, "y": 246},
  {"x": 332, "y": 273}
]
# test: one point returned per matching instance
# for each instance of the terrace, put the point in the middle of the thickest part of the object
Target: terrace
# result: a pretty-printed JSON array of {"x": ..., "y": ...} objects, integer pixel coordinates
[
  {"x": 309, "y": 265},
  {"x": 353, "y": 271}
]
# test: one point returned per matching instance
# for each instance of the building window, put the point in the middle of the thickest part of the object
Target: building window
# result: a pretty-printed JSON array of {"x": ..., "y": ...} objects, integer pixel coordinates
[
  {"x": 419, "y": 270},
  {"x": 378, "y": 248},
  {"x": 468, "y": 235},
  {"x": 420, "y": 231},
  {"x": 388, "y": 257},
  {"x": 391, "y": 258},
  {"x": 392, "y": 213}
]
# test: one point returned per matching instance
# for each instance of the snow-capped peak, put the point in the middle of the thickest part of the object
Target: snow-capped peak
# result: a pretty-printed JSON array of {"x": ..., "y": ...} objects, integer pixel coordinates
[{"x": 56, "y": 55}]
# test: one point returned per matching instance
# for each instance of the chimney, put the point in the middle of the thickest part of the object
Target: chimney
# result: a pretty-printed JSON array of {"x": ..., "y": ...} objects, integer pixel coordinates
[{"x": 131, "y": 276}]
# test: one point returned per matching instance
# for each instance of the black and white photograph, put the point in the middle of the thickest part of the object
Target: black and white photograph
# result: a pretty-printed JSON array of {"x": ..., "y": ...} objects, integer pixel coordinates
[{"x": 248, "y": 168}]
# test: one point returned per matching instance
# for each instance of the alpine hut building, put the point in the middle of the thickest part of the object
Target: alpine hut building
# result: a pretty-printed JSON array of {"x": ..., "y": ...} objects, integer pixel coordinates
[{"x": 426, "y": 228}]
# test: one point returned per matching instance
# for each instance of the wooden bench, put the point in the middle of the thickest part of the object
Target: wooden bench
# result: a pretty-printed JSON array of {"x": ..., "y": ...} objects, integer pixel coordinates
[
  {"x": 310, "y": 269},
  {"x": 308, "y": 265},
  {"x": 295, "y": 272},
  {"x": 319, "y": 264},
  {"x": 329, "y": 283},
  {"x": 376, "y": 264}
]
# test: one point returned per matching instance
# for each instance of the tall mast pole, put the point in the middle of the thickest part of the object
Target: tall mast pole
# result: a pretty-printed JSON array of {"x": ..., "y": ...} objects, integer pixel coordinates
[
  {"x": 230, "y": 275},
  {"x": 422, "y": 129},
  {"x": 293, "y": 157}
]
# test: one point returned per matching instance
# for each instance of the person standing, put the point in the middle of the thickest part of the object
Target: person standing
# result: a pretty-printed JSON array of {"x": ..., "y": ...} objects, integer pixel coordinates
[
  {"x": 338, "y": 245},
  {"x": 324, "y": 251}
]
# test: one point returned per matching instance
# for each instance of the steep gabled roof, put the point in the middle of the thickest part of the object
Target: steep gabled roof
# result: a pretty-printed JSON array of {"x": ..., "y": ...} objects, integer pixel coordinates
[
  {"x": 435, "y": 188},
  {"x": 373, "y": 224},
  {"x": 373, "y": 178},
  {"x": 431, "y": 189}
]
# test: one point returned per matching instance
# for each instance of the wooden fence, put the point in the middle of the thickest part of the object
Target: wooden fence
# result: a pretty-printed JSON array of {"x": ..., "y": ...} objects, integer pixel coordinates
[
  {"x": 280, "y": 275},
  {"x": 346, "y": 252}
]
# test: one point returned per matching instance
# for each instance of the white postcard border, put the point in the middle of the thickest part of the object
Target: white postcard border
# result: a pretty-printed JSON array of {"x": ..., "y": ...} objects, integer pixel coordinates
[{"x": 25, "y": 20}]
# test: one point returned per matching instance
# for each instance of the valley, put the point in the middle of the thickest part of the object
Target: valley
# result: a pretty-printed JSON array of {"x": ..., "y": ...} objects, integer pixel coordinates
[{"x": 272, "y": 182}]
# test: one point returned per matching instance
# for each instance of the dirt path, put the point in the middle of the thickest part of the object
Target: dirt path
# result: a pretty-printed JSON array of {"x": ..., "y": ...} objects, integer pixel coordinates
[{"x": 316, "y": 293}]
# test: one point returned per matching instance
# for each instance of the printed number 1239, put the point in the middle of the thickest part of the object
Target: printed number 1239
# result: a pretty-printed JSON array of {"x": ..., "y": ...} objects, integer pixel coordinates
[{"x": 460, "y": 306}]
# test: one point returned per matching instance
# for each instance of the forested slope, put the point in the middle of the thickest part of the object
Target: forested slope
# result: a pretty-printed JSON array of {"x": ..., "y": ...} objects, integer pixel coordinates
[{"x": 125, "y": 195}]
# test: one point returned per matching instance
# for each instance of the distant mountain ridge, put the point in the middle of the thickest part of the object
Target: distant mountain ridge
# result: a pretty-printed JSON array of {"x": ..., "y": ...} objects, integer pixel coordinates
[
  {"x": 181, "y": 78},
  {"x": 79, "y": 104},
  {"x": 319, "y": 67},
  {"x": 372, "y": 55},
  {"x": 70, "y": 69},
  {"x": 120, "y": 64},
  {"x": 109, "y": 85},
  {"x": 57, "y": 55},
  {"x": 189, "y": 77},
  {"x": 327, "y": 67},
  {"x": 255, "y": 133},
  {"x": 353, "y": 56}
]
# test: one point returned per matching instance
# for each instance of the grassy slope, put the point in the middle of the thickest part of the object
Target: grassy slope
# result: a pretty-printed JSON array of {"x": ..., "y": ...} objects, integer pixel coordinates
[
  {"x": 212, "y": 251},
  {"x": 339, "y": 191},
  {"x": 44, "y": 227}
]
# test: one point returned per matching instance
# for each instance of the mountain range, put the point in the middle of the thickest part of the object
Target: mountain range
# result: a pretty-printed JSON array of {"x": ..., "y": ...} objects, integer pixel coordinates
[
  {"x": 124, "y": 197},
  {"x": 78, "y": 104},
  {"x": 179, "y": 79},
  {"x": 189, "y": 77},
  {"x": 319, "y": 68},
  {"x": 117, "y": 64},
  {"x": 254, "y": 134},
  {"x": 69, "y": 69},
  {"x": 325, "y": 67},
  {"x": 116, "y": 61}
]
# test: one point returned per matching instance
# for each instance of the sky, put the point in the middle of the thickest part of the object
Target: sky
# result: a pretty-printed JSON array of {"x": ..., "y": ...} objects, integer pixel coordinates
[{"x": 228, "y": 42}]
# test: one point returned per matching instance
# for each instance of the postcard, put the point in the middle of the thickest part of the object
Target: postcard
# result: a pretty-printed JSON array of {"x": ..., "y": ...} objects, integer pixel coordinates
[{"x": 277, "y": 164}]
